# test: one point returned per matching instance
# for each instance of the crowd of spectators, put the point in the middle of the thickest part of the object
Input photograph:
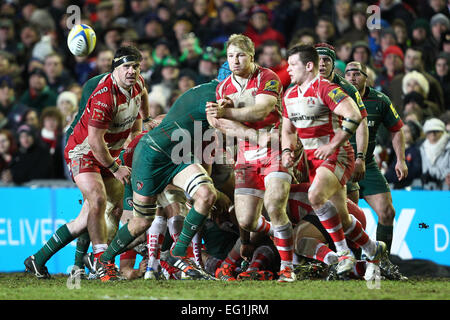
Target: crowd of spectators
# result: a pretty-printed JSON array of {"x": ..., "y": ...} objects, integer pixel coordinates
[{"x": 406, "y": 49}]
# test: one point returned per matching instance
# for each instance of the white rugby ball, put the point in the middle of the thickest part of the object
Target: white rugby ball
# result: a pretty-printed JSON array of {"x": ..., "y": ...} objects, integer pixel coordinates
[{"x": 81, "y": 40}]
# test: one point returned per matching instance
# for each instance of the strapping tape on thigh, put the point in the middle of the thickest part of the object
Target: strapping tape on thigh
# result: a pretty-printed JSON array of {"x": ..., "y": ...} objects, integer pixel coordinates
[
  {"x": 195, "y": 182},
  {"x": 144, "y": 209}
]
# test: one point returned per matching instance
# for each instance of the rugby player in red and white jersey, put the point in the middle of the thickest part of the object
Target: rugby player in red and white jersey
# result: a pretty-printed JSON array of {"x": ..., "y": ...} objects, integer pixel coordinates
[
  {"x": 324, "y": 118},
  {"x": 97, "y": 139},
  {"x": 252, "y": 95},
  {"x": 109, "y": 118}
]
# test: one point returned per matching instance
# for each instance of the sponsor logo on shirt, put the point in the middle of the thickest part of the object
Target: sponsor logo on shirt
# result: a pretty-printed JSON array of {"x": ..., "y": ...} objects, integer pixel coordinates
[
  {"x": 102, "y": 90},
  {"x": 337, "y": 95},
  {"x": 98, "y": 115},
  {"x": 272, "y": 85}
]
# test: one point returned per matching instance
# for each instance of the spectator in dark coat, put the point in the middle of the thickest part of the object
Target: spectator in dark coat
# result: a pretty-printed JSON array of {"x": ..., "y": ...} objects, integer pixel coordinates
[
  {"x": 32, "y": 160},
  {"x": 413, "y": 133}
]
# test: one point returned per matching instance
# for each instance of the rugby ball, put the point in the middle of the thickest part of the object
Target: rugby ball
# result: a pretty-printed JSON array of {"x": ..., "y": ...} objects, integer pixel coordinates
[{"x": 81, "y": 40}]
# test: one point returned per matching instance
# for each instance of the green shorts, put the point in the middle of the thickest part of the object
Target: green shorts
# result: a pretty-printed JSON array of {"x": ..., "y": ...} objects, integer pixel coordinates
[
  {"x": 352, "y": 186},
  {"x": 374, "y": 182},
  {"x": 218, "y": 242},
  {"x": 152, "y": 171}
]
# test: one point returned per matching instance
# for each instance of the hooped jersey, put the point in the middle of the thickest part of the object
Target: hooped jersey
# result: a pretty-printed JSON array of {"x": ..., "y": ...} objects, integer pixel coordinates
[
  {"x": 262, "y": 81},
  {"x": 311, "y": 112},
  {"x": 109, "y": 107}
]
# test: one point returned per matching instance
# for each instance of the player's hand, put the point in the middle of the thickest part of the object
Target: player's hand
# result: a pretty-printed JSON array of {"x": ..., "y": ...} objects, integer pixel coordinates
[
  {"x": 143, "y": 265},
  {"x": 401, "y": 169},
  {"x": 323, "y": 152},
  {"x": 123, "y": 174},
  {"x": 288, "y": 159},
  {"x": 360, "y": 170},
  {"x": 214, "y": 110},
  {"x": 226, "y": 102}
]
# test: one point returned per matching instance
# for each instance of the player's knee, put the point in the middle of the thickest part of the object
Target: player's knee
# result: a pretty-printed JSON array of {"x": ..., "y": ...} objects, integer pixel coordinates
[
  {"x": 207, "y": 195},
  {"x": 97, "y": 204},
  {"x": 273, "y": 207},
  {"x": 316, "y": 198},
  {"x": 247, "y": 225}
]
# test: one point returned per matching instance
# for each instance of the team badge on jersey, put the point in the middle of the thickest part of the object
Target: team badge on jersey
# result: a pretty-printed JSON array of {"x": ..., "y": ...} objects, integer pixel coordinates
[
  {"x": 139, "y": 185},
  {"x": 98, "y": 115},
  {"x": 337, "y": 95},
  {"x": 129, "y": 202},
  {"x": 272, "y": 85}
]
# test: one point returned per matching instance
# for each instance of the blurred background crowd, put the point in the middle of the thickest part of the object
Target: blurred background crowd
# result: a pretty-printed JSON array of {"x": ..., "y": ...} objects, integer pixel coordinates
[{"x": 182, "y": 44}]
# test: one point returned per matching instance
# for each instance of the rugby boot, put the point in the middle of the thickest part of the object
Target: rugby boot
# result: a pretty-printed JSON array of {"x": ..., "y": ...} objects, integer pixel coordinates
[
  {"x": 184, "y": 265},
  {"x": 225, "y": 273},
  {"x": 41, "y": 272},
  {"x": 259, "y": 275},
  {"x": 106, "y": 271},
  {"x": 89, "y": 262},
  {"x": 152, "y": 274},
  {"x": 286, "y": 275}
]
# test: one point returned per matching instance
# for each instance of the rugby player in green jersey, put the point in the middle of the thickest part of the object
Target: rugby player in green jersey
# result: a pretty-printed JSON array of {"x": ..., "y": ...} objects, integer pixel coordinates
[
  {"x": 327, "y": 59},
  {"x": 157, "y": 161},
  {"x": 374, "y": 187}
]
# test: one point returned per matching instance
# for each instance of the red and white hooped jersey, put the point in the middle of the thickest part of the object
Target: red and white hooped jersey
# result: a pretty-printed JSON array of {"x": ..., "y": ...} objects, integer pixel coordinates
[
  {"x": 311, "y": 112},
  {"x": 109, "y": 107},
  {"x": 262, "y": 81}
]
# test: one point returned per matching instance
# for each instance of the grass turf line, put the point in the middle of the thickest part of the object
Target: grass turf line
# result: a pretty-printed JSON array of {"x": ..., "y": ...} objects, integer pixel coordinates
[{"x": 22, "y": 286}]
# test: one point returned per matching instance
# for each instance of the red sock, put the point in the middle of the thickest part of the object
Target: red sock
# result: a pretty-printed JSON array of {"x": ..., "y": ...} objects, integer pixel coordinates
[
  {"x": 331, "y": 221},
  {"x": 356, "y": 233},
  {"x": 283, "y": 240},
  {"x": 261, "y": 258},
  {"x": 264, "y": 226}
]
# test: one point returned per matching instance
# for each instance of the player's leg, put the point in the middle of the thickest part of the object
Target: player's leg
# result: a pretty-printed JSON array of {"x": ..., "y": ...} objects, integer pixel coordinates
[
  {"x": 264, "y": 258},
  {"x": 115, "y": 192},
  {"x": 92, "y": 187},
  {"x": 381, "y": 203},
  {"x": 311, "y": 243},
  {"x": 197, "y": 184},
  {"x": 63, "y": 236},
  {"x": 155, "y": 238},
  {"x": 144, "y": 210},
  {"x": 275, "y": 201},
  {"x": 328, "y": 199}
]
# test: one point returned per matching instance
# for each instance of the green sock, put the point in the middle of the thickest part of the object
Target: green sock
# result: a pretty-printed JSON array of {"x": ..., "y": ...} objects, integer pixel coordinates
[
  {"x": 59, "y": 240},
  {"x": 83, "y": 243},
  {"x": 192, "y": 223},
  {"x": 122, "y": 239},
  {"x": 384, "y": 233}
]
